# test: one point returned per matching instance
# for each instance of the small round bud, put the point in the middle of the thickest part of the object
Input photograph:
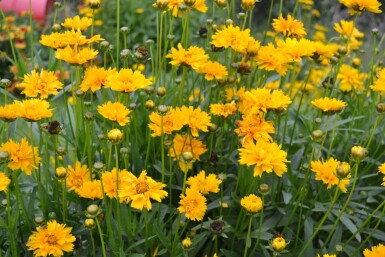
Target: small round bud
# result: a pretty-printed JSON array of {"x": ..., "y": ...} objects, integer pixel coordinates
[
  {"x": 93, "y": 209},
  {"x": 375, "y": 31},
  {"x": 221, "y": 3},
  {"x": 89, "y": 115},
  {"x": 56, "y": 27},
  {"x": 124, "y": 30},
  {"x": 104, "y": 45},
  {"x": 231, "y": 79},
  {"x": 209, "y": 21},
  {"x": 380, "y": 107},
  {"x": 170, "y": 37},
  {"x": 79, "y": 93},
  {"x": 279, "y": 110},
  {"x": 149, "y": 42},
  {"x": 125, "y": 53},
  {"x": 87, "y": 103},
  {"x": 124, "y": 150},
  {"x": 54, "y": 127},
  {"x": 57, "y": 5},
  {"x": 149, "y": 105},
  {"x": 189, "y": 3},
  {"x": 364, "y": 194},
  {"x": 61, "y": 173},
  {"x": 343, "y": 170},
  {"x": 317, "y": 134},
  {"x": 94, "y": 4},
  {"x": 89, "y": 224},
  {"x": 213, "y": 127},
  {"x": 141, "y": 53},
  {"x": 162, "y": 109},
  {"x": 350, "y": 211},
  {"x": 98, "y": 166},
  {"x": 202, "y": 32},
  {"x": 5, "y": 82},
  {"x": 241, "y": 15},
  {"x": 356, "y": 62},
  {"x": 101, "y": 136},
  {"x": 186, "y": 243},
  {"x": 229, "y": 22},
  {"x": 115, "y": 135},
  {"x": 359, "y": 153},
  {"x": 4, "y": 156},
  {"x": 149, "y": 89},
  {"x": 264, "y": 189},
  {"x": 278, "y": 244},
  {"x": 39, "y": 220},
  {"x": 334, "y": 60},
  {"x": 132, "y": 106},
  {"x": 4, "y": 202},
  {"x": 342, "y": 50},
  {"x": 222, "y": 81},
  {"x": 222, "y": 176},
  {"x": 318, "y": 120},
  {"x": 167, "y": 143},
  {"x": 217, "y": 226},
  {"x": 61, "y": 150},
  {"x": 187, "y": 156},
  {"x": 339, "y": 248},
  {"x": 161, "y": 4}
]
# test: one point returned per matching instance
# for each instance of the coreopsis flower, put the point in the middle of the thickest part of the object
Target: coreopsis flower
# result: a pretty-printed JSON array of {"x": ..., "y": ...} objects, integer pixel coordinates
[
  {"x": 358, "y": 6},
  {"x": 51, "y": 240},
  {"x": 193, "y": 204},
  {"x": 266, "y": 157},
  {"x": 252, "y": 203},
  {"x": 376, "y": 251},
  {"x": 21, "y": 155},
  {"x": 350, "y": 79},
  {"x": 263, "y": 99},
  {"x": 232, "y": 93},
  {"x": 109, "y": 183},
  {"x": 379, "y": 83},
  {"x": 127, "y": 80},
  {"x": 323, "y": 52},
  {"x": 213, "y": 70},
  {"x": 295, "y": 49},
  {"x": 254, "y": 127},
  {"x": 278, "y": 244},
  {"x": 77, "y": 23},
  {"x": 196, "y": 119},
  {"x": 253, "y": 47},
  {"x": 95, "y": 78},
  {"x": 76, "y": 38},
  {"x": 186, "y": 243},
  {"x": 233, "y": 37},
  {"x": 329, "y": 105},
  {"x": 172, "y": 121},
  {"x": 193, "y": 57},
  {"x": 76, "y": 56},
  {"x": 223, "y": 110},
  {"x": 115, "y": 112},
  {"x": 140, "y": 190},
  {"x": 173, "y": 6},
  {"x": 347, "y": 30},
  {"x": 307, "y": 4},
  {"x": 9, "y": 112},
  {"x": 358, "y": 153},
  {"x": 115, "y": 135},
  {"x": 204, "y": 184},
  {"x": 77, "y": 175},
  {"x": 33, "y": 109},
  {"x": 327, "y": 255},
  {"x": 270, "y": 59},
  {"x": 43, "y": 84},
  {"x": 247, "y": 5},
  {"x": 326, "y": 171},
  {"x": 54, "y": 40},
  {"x": 289, "y": 27},
  {"x": 4, "y": 182},
  {"x": 90, "y": 190}
]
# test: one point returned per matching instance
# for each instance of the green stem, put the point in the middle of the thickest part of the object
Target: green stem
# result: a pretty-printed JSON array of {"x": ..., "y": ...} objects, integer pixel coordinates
[
  {"x": 64, "y": 199},
  {"x": 117, "y": 33},
  {"x": 101, "y": 238},
  {"x": 31, "y": 33},
  {"x": 20, "y": 200},
  {"x": 248, "y": 236}
]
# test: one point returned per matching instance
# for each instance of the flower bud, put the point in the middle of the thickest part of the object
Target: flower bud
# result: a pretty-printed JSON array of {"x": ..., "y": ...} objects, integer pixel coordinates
[
  {"x": 93, "y": 209},
  {"x": 124, "y": 30},
  {"x": 278, "y": 244},
  {"x": 149, "y": 105},
  {"x": 356, "y": 62},
  {"x": 89, "y": 115},
  {"x": 125, "y": 54},
  {"x": 39, "y": 220},
  {"x": 380, "y": 107},
  {"x": 213, "y": 127},
  {"x": 221, "y": 3},
  {"x": 94, "y": 4},
  {"x": 317, "y": 134},
  {"x": 56, "y": 27},
  {"x": 61, "y": 173},
  {"x": 89, "y": 224},
  {"x": 61, "y": 150},
  {"x": 163, "y": 109},
  {"x": 264, "y": 189},
  {"x": 52, "y": 215},
  {"x": 54, "y": 127},
  {"x": 359, "y": 153},
  {"x": 5, "y": 83},
  {"x": 186, "y": 243},
  {"x": 98, "y": 166},
  {"x": 343, "y": 169},
  {"x": 149, "y": 89},
  {"x": 57, "y": 5},
  {"x": 115, "y": 135},
  {"x": 187, "y": 156},
  {"x": 217, "y": 226},
  {"x": 124, "y": 150},
  {"x": 141, "y": 53}
]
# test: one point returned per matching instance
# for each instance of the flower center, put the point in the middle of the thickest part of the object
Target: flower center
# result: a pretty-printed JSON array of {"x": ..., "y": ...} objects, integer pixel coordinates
[
  {"x": 141, "y": 187},
  {"x": 51, "y": 239}
]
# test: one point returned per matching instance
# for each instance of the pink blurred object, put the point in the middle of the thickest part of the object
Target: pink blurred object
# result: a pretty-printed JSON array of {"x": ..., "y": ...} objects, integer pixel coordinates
[{"x": 39, "y": 7}]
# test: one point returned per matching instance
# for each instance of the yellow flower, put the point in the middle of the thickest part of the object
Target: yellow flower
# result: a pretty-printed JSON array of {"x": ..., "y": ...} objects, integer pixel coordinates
[
  {"x": 75, "y": 56},
  {"x": 115, "y": 112},
  {"x": 10, "y": 112},
  {"x": 270, "y": 59},
  {"x": 4, "y": 182},
  {"x": 204, "y": 184},
  {"x": 379, "y": 84},
  {"x": 193, "y": 57},
  {"x": 90, "y": 190},
  {"x": 328, "y": 255},
  {"x": 382, "y": 170},
  {"x": 140, "y": 190},
  {"x": 95, "y": 78},
  {"x": 21, "y": 155},
  {"x": 51, "y": 240},
  {"x": 247, "y": 5},
  {"x": 289, "y": 27},
  {"x": 77, "y": 23},
  {"x": 213, "y": 70},
  {"x": 278, "y": 244},
  {"x": 252, "y": 203},
  {"x": 172, "y": 121},
  {"x": 77, "y": 175},
  {"x": 350, "y": 78},
  {"x": 34, "y": 109},
  {"x": 76, "y": 38},
  {"x": 358, "y": 6},
  {"x": 115, "y": 135},
  {"x": 376, "y": 251},
  {"x": 127, "y": 80},
  {"x": 223, "y": 110},
  {"x": 233, "y": 37},
  {"x": 54, "y": 40},
  {"x": 254, "y": 126},
  {"x": 196, "y": 119},
  {"x": 295, "y": 49},
  {"x": 329, "y": 105},
  {"x": 109, "y": 183},
  {"x": 263, "y": 99},
  {"x": 43, "y": 84},
  {"x": 193, "y": 204},
  {"x": 327, "y": 173},
  {"x": 265, "y": 156},
  {"x": 186, "y": 243},
  {"x": 347, "y": 30}
]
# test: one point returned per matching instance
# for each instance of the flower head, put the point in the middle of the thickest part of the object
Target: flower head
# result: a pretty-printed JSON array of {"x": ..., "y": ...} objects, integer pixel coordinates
[
  {"x": 289, "y": 27},
  {"x": 115, "y": 112},
  {"x": 90, "y": 190},
  {"x": 329, "y": 105},
  {"x": 213, "y": 70},
  {"x": 172, "y": 121},
  {"x": 223, "y": 110},
  {"x": 252, "y": 203},
  {"x": 76, "y": 56},
  {"x": 95, "y": 78},
  {"x": 351, "y": 79},
  {"x": 77, "y": 23},
  {"x": 204, "y": 184},
  {"x": 53, "y": 239},
  {"x": 10, "y": 112},
  {"x": 43, "y": 84},
  {"x": 358, "y": 6},
  {"x": 376, "y": 251},
  {"x": 127, "y": 80},
  {"x": 193, "y": 57},
  {"x": 379, "y": 83},
  {"x": 254, "y": 127},
  {"x": 193, "y": 204},
  {"x": 381, "y": 169},
  {"x": 233, "y": 37},
  {"x": 196, "y": 119},
  {"x": 4, "y": 182},
  {"x": 278, "y": 243},
  {"x": 326, "y": 171},
  {"x": 77, "y": 175},
  {"x": 34, "y": 109},
  {"x": 109, "y": 183}
]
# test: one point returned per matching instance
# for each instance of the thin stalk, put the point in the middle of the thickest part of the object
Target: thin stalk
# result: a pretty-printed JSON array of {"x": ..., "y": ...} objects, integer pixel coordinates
[
  {"x": 93, "y": 244},
  {"x": 259, "y": 228},
  {"x": 101, "y": 238},
  {"x": 117, "y": 33},
  {"x": 31, "y": 33},
  {"x": 333, "y": 136},
  {"x": 248, "y": 236},
  {"x": 121, "y": 243},
  {"x": 20, "y": 200},
  {"x": 64, "y": 200}
]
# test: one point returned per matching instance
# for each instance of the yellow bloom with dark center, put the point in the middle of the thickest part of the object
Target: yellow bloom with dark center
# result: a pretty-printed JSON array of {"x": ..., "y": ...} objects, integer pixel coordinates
[
  {"x": 193, "y": 204},
  {"x": 329, "y": 105},
  {"x": 379, "y": 83},
  {"x": 223, "y": 110},
  {"x": 193, "y": 57},
  {"x": 351, "y": 79},
  {"x": 254, "y": 127},
  {"x": 295, "y": 49},
  {"x": 33, "y": 109},
  {"x": 204, "y": 184},
  {"x": 289, "y": 27},
  {"x": 172, "y": 121},
  {"x": 233, "y": 37},
  {"x": 4, "y": 182},
  {"x": 43, "y": 84},
  {"x": 115, "y": 112},
  {"x": 90, "y": 190},
  {"x": 95, "y": 78},
  {"x": 21, "y": 155},
  {"x": 109, "y": 183},
  {"x": 326, "y": 171},
  {"x": 140, "y": 190},
  {"x": 77, "y": 23},
  {"x": 127, "y": 80},
  {"x": 252, "y": 203},
  {"x": 51, "y": 240},
  {"x": 9, "y": 112},
  {"x": 376, "y": 251},
  {"x": 196, "y": 119},
  {"x": 266, "y": 157},
  {"x": 358, "y": 6},
  {"x": 213, "y": 70},
  {"x": 77, "y": 175},
  {"x": 76, "y": 56}
]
